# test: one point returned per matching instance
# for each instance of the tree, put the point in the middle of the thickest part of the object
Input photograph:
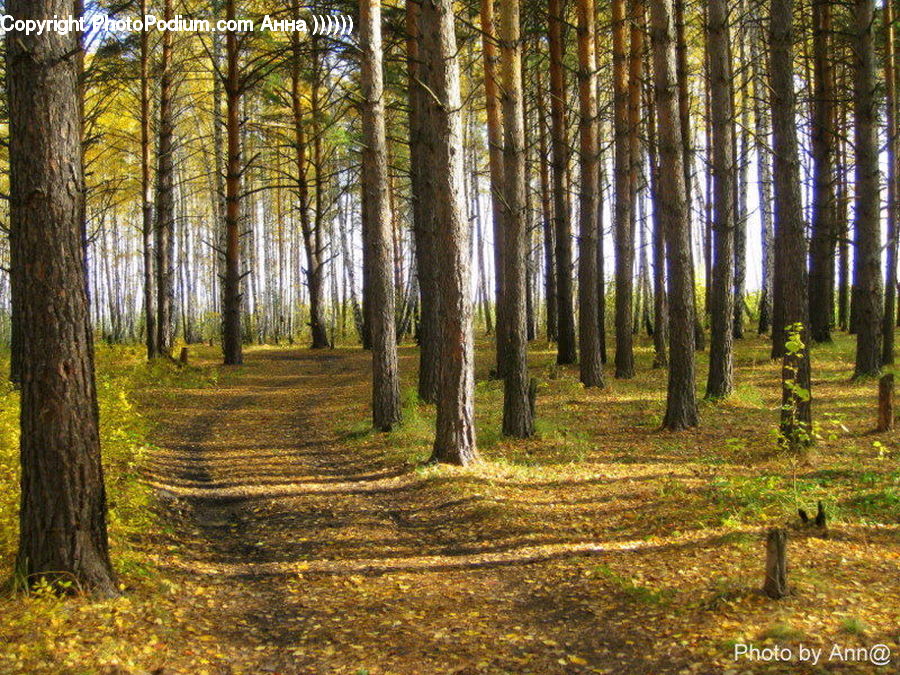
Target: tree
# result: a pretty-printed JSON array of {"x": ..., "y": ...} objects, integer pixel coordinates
[
  {"x": 720, "y": 382},
  {"x": 495, "y": 159},
  {"x": 622, "y": 215},
  {"x": 886, "y": 388},
  {"x": 517, "y": 413},
  {"x": 378, "y": 247},
  {"x": 146, "y": 194},
  {"x": 565, "y": 326},
  {"x": 821, "y": 260},
  {"x": 232, "y": 346},
  {"x": 423, "y": 227},
  {"x": 591, "y": 368},
  {"x": 790, "y": 325},
  {"x": 681, "y": 403},
  {"x": 867, "y": 254},
  {"x": 62, "y": 516},
  {"x": 454, "y": 440},
  {"x": 165, "y": 198}
]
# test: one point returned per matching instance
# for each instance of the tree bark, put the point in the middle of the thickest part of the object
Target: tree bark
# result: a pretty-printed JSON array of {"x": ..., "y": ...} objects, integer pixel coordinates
[
  {"x": 720, "y": 382},
  {"x": 147, "y": 196},
  {"x": 232, "y": 347},
  {"x": 385, "y": 373},
  {"x": 454, "y": 440},
  {"x": 867, "y": 253},
  {"x": 764, "y": 179},
  {"x": 547, "y": 216},
  {"x": 591, "y": 367},
  {"x": 566, "y": 349},
  {"x": 495, "y": 157},
  {"x": 790, "y": 243},
  {"x": 775, "y": 585},
  {"x": 821, "y": 260},
  {"x": 681, "y": 403},
  {"x": 62, "y": 515}
]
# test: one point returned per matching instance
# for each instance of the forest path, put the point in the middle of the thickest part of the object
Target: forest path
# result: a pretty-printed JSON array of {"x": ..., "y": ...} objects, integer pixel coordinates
[{"x": 317, "y": 559}]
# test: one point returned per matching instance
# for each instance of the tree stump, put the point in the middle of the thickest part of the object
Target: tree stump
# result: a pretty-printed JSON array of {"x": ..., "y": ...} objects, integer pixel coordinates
[
  {"x": 183, "y": 357},
  {"x": 775, "y": 585},
  {"x": 886, "y": 402}
]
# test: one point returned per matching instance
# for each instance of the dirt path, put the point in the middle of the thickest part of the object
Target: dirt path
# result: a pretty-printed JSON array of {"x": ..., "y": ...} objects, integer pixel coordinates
[{"x": 315, "y": 559}]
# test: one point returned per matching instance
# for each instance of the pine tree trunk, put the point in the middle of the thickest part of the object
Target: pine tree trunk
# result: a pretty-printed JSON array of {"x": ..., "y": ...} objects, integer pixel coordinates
[
  {"x": 671, "y": 200},
  {"x": 867, "y": 252},
  {"x": 790, "y": 243},
  {"x": 821, "y": 260},
  {"x": 231, "y": 302},
  {"x": 146, "y": 197},
  {"x": 547, "y": 215},
  {"x": 165, "y": 199},
  {"x": 423, "y": 227},
  {"x": 764, "y": 179},
  {"x": 495, "y": 156},
  {"x": 377, "y": 246},
  {"x": 454, "y": 440},
  {"x": 566, "y": 349},
  {"x": 890, "y": 286},
  {"x": 720, "y": 382},
  {"x": 62, "y": 515},
  {"x": 660, "y": 299},
  {"x": 591, "y": 368}
]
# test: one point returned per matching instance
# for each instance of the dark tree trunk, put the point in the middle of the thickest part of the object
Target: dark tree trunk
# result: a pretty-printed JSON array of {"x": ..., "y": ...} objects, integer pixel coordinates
[
  {"x": 147, "y": 197},
  {"x": 454, "y": 440},
  {"x": 775, "y": 585},
  {"x": 660, "y": 300},
  {"x": 671, "y": 200},
  {"x": 867, "y": 252},
  {"x": 517, "y": 413},
  {"x": 890, "y": 286},
  {"x": 720, "y": 382},
  {"x": 231, "y": 291},
  {"x": 62, "y": 515},
  {"x": 165, "y": 199},
  {"x": 423, "y": 227},
  {"x": 821, "y": 260},
  {"x": 375, "y": 186},
  {"x": 566, "y": 349},
  {"x": 791, "y": 298},
  {"x": 591, "y": 368}
]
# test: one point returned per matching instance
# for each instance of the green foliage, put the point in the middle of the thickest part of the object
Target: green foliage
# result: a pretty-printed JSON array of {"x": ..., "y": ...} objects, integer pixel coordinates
[{"x": 794, "y": 433}]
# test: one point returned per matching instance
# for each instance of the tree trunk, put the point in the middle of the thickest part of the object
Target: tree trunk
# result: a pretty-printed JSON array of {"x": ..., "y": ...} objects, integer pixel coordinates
[
  {"x": 423, "y": 227},
  {"x": 886, "y": 386},
  {"x": 231, "y": 302},
  {"x": 681, "y": 404},
  {"x": 146, "y": 196},
  {"x": 764, "y": 179},
  {"x": 790, "y": 243},
  {"x": 821, "y": 260},
  {"x": 495, "y": 156},
  {"x": 165, "y": 199},
  {"x": 867, "y": 254},
  {"x": 660, "y": 300},
  {"x": 517, "y": 413},
  {"x": 720, "y": 382},
  {"x": 591, "y": 368},
  {"x": 62, "y": 515},
  {"x": 547, "y": 215},
  {"x": 625, "y": 184},
  {"x": 385, "y": 375},
  {"x": 454, "y": 440},
  {"x": 775, "y": 585},
  {"x": 566, "y": 349}
]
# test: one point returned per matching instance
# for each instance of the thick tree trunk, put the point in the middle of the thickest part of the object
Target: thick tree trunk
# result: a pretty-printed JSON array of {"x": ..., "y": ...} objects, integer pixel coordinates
[
  {"x": 720, "y": 382},
  {"x": 591, "y": 368},
  {"x": 790, "y": 243},
  {"x": 566, "y": 349},
  {"x": 232, "y": 347},
  {"x": 62, "y": 515},
  {"x": 423, "y": 227},
  {"x": 867, "y": 253},
  {"x": 681, "y": 404},
  {"x": 375, "y": 186},
  {"x": 495, "y": 156},
  {"x": 454, "y": 440},
  {"x": 821, "y": 260},
  {"x": 517, "y": 413}
]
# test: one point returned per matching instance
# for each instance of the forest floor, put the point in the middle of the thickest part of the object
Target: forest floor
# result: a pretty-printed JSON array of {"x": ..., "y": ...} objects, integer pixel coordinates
[{"x": 290, "y": 538}]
